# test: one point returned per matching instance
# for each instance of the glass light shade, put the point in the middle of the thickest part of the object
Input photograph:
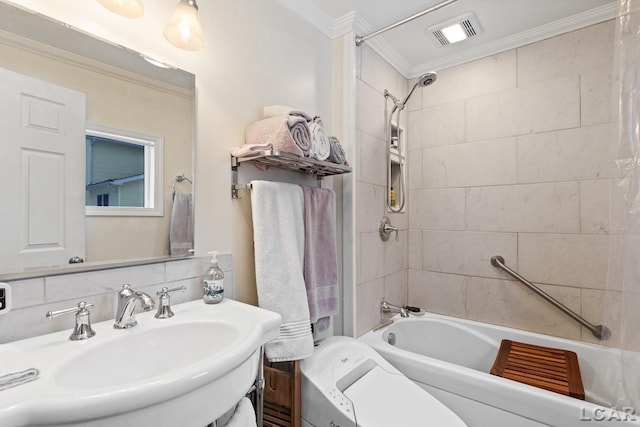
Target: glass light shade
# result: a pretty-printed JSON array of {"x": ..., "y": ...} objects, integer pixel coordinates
[
  {"x": 183, "y": 29},
  {"x": 128, "y": 8}
]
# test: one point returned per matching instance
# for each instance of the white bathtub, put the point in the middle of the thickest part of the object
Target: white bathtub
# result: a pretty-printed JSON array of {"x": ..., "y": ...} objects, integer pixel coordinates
[{"x": 451, "y": 358}]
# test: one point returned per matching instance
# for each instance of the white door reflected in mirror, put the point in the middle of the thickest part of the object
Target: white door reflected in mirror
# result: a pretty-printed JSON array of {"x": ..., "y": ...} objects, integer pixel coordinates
[
  {"x": 124, "y": 172},
  {"x": 41, "y": 216}
]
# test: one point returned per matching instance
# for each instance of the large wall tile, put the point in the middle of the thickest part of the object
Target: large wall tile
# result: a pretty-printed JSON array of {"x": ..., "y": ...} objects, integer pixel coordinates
[
  {"x": 372, "y": 257},
  {"x": 461, "y": 252},
  {"x": 395, "y": 253},
  {"x": 415, "y": 249},
  {"x": 380, "y": 75},
  {"x": 545, "y": 106},
  {"x": 508, "y": 303},
  {"x": 594, "y": 207},
  {"x": 487, "y": 75},
  {"x": 414, "y": 169},
  {"x": 369, "y": 207},
  {"x": 565, "y": 155},
  {"x": 525, "y": 208},
  {"x": 395, "y": 288},
  {"x": 436, "y": 126},
  {"x": 194, "y": 267},
  {"x": 596, "y": 96},
  {"x": 568, "y": 260},
  {"x": 368, "y": 298},
  {"x": 568, "y": 54},
  {"x": 441, "y": 209},
  {"x": 370, "y": 110},
  {"x": 415, "y": 102},
  {"x": 593, "y": 309},
  {"x": 25, "y": 293},
  {"x": 470, "y": 165},
  {"x": 103, "y": 281},
  {"x": 437, "y": 292},
  {"x": 373, "y": 160}
]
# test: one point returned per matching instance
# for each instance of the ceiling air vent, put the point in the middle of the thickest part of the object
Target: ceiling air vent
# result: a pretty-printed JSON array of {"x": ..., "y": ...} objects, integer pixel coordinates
[{"x": 455, "y": 30}]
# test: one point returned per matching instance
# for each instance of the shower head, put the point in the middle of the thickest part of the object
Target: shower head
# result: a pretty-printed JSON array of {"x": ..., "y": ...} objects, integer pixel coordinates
[
  {"x": 424, "y": 80},
  {"x": 427, "y": 79}
]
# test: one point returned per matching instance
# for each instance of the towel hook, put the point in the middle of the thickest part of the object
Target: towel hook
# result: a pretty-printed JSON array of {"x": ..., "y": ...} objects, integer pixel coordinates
[{"x": 180, "y": 178}]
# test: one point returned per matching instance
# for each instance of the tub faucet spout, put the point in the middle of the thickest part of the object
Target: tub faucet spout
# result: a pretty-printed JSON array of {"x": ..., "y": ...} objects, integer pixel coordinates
[{"x": 386, "y": 307}]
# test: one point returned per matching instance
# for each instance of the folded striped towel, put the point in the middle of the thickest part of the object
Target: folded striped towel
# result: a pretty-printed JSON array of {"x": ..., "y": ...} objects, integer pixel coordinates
[
  {"x": 286, "y": 133},
  {"x": 336, "y": 154},
  {"x": 320, "y": 147}
]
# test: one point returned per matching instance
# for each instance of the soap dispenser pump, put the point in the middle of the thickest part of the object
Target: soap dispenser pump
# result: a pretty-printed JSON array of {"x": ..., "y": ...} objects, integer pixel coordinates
[{"x": 213, "y": 282}]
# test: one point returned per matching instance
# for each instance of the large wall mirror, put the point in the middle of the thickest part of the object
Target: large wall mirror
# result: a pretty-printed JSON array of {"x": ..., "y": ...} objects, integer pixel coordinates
[{"x": 116, "y": 90}]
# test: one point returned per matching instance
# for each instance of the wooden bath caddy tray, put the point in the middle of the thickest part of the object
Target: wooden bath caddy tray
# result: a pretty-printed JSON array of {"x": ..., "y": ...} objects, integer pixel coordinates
[{"x": 544, "y": 367}]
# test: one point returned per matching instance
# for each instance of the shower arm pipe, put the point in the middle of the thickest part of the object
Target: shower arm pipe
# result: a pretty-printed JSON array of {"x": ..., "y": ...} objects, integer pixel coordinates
[
  {"x": 599, "y": 331},
  {"x": 362, "y": 39}
]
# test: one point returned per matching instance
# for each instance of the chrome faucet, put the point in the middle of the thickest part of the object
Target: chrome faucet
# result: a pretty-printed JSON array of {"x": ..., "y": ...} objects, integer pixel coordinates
[
  {"x": 126, "y": 314},
  {"x": 386, "y": 307}
]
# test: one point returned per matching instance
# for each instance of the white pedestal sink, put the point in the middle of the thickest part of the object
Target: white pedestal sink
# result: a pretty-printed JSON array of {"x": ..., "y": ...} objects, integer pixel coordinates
[{"x": 184, "y": 371}]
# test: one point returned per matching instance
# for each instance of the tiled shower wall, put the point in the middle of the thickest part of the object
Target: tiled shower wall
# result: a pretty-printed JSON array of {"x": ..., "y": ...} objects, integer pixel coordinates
[
  {"x": 381, "y": 267},
  {"x": 508, "y": 155},
  {"x": 33, "y": 298}
]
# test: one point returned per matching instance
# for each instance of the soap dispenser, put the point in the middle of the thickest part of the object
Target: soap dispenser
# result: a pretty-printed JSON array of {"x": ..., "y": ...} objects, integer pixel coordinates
[{"x": 213, "y": 282}]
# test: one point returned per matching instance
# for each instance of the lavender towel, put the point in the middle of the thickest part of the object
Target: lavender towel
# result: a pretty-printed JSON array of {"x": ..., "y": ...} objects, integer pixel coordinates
[
  {"x": 336, "y": 153},
  {"x": 285, "y": 133},
  {"x": 320, "y": 255}
]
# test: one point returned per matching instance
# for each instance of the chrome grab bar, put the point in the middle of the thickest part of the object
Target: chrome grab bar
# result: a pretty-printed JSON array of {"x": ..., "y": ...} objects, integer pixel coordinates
[{"x": 599, "y": 331}]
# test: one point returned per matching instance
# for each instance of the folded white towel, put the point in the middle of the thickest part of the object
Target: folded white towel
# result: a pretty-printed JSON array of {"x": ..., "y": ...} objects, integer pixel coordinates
[
  {"x": 283, "y": 110},
  {"x": 244, "y": 415},
  {"x": 278, "y": 234},
  {"x": 320, "y": 146}
]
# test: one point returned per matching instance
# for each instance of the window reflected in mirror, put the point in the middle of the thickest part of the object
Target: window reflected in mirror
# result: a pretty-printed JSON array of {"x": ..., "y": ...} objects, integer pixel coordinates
[{"x": 122, "y": 172}]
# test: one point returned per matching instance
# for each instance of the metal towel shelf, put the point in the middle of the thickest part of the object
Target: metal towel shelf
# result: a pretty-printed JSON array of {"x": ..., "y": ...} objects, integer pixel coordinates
[{"x": 599, "y": 331}]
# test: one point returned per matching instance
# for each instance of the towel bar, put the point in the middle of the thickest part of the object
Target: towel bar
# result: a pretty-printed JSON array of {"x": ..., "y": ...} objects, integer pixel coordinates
[{"x": 284, "y": 160}]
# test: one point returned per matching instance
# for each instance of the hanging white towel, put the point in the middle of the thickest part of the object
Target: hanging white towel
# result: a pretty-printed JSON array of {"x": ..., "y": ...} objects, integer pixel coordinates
[
  {"x": 278, "y": 233},
  {"x": 244, "y": 415},
  {"x": 181, "y": 227}
]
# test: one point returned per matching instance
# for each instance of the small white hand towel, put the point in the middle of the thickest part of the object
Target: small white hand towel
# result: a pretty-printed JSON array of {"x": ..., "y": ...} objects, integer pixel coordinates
[
  {"x": 278, "y": 234},
  {"x": 244, "y": 415}
]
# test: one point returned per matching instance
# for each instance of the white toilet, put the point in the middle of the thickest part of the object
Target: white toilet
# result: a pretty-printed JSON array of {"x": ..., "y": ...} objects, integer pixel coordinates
[{"x": 347, "y": 384}]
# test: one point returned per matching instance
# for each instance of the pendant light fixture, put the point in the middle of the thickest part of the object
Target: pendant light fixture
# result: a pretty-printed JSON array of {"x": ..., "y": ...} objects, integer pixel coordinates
[
  {"x": 128, "y": 8},
  {"x": 183, "y": 29}
]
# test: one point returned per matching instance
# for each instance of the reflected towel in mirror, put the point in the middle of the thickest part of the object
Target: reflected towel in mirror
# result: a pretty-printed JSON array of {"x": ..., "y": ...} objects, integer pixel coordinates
[{"x": 181, "y": 227}]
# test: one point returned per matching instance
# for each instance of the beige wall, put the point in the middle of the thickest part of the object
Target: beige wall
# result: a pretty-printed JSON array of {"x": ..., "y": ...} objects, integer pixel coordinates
[
  {"x": 255, "y": 53},
  {"x": 123, "y": 104},
  {"x": 508, "y": 156}
]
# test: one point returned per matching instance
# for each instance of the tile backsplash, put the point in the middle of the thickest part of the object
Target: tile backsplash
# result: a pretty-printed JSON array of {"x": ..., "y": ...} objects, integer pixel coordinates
[{"x": 33, "y": 298}]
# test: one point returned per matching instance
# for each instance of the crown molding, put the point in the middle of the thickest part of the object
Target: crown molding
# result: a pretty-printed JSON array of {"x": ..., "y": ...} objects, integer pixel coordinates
[
  {"x": 575, "y": 22},
  {"x": 353, "y": 22},
  {"x": 319, "y": 19}
]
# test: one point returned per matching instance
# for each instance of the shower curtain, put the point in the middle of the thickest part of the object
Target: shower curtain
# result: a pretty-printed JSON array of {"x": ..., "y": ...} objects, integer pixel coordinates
[{"x": 622, "y": 294}]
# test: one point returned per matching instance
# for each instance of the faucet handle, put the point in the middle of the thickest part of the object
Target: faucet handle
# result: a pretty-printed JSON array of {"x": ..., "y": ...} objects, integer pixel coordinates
[
  {"x": 82, "y": 329},
  {"x": 164, "y": 306}
]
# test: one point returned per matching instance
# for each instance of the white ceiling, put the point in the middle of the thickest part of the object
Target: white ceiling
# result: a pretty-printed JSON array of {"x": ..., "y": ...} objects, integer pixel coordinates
[{"x": 505, "y": 24}]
